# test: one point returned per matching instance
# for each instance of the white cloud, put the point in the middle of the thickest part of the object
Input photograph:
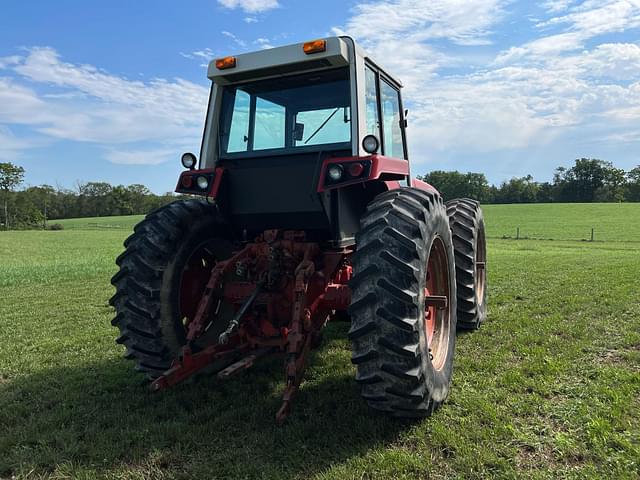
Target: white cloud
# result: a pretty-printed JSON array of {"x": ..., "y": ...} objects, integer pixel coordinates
[
  {"x": 10, "y": 146},
  {"x": 141, "y": 157},
  {"x": 461, "y": 22},
  {"x": 19, "y": 104},
  {"x": 6, "y": 62},
  {"x": 263, "y": 43},
  {"x": 597, "y": 17},
  {"x": 529, "y": 95},
  {"x": 235, "y": 39},
  {"x": 543, "y": 47},
  {"x": 83, "y": 103},
  {"x": 556, "y": 6},
  {"x": 250, "y": 6},
  {"x": 250, "y": 20}
]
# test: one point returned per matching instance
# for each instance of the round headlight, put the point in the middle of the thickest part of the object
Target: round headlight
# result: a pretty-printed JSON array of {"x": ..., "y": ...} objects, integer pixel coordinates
[
  {"x": 335, "y": 172},
  {"x": 189, "y": 160},
  {"x": 202, "y": 182},
  {"x": 370, "y": 144}
]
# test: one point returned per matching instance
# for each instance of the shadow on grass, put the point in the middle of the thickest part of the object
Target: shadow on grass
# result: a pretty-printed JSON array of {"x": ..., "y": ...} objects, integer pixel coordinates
[{"x": 100, "y": 418}]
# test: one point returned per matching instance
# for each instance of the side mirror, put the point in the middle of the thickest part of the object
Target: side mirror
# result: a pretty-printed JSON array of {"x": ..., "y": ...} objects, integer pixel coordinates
[{"x": 298, "y": 132}]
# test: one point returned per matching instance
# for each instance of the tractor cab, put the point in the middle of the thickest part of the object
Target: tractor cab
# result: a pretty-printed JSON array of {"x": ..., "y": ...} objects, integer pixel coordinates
[{"x": 300, "y": 136}]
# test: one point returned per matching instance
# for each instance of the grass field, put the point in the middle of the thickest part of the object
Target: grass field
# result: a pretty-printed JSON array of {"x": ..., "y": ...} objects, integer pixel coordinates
[
  {"x": 567, "y": 221},
  {"x": 548, "y": 388}
]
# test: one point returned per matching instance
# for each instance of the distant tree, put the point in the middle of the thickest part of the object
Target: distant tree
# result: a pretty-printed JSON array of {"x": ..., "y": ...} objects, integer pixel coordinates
[
  {"x": 632, "y": 193},
  {"x": 10, "y": 177},
  {"x": 140, "y": 197},
  {"x": 517, "y": 190},
  {"x": 95, "y": 199},
  {"x": 43, "y": 199},
  {"x": 455, "y": 184},
  {"x": 27, "y": 213},
  {"x": 614, "y": 186},
  {"x": 583, "y": 181},
  {"x": 545, "y": 193}
]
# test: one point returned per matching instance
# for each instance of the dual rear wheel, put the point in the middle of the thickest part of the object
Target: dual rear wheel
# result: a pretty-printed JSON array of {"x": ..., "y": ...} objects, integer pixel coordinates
[{"x": 405, "y": 299}]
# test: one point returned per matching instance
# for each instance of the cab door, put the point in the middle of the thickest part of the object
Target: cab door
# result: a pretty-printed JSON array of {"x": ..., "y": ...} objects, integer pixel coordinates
[{"x": 384, "y": 113}]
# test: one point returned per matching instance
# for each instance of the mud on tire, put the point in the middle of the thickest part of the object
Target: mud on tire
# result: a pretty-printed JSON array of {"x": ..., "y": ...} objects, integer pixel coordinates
[
  {"x": 389, "y": 323},
  {"x": 467, "y": 227},
  {"x": 149, "y": 282}
]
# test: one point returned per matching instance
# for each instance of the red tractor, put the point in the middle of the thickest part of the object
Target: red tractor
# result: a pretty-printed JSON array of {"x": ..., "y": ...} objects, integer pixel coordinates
[{"x": 304, "y": 211}]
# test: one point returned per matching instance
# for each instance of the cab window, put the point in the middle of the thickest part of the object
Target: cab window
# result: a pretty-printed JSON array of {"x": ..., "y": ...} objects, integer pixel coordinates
[
  {"x": 287, "y": 114},
  {"x": 390, "y": 101},
  {"x": 269, "y": 125},
  {"x": 371, "y": 103},
  {"x": 325, "y": 126},
  {"x": 239, "y": 129}
]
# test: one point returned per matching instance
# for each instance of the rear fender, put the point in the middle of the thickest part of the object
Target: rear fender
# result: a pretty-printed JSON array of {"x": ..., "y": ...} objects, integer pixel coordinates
[
  {"x": 187, "y": 183},
  {"x": 420, "y": 185},
  {"x": 373, "y": 167}
]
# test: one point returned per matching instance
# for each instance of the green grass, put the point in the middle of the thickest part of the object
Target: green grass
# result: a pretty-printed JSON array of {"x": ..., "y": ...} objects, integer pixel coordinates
[
  {"x": 126, "y": 222},
  {"x": 548, "y": 388},
  {"x": 612, "y": 222}
]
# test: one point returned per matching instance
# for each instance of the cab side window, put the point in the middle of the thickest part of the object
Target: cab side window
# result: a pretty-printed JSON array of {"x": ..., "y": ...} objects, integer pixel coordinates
[
  {"x": 371, "y": 103},
  {"x": 239, "y": 131},
  {"x": 390, "y": 101}
]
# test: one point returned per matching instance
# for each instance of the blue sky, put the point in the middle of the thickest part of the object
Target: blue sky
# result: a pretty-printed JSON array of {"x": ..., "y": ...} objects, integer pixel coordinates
[{"x": 115, "y": 91}]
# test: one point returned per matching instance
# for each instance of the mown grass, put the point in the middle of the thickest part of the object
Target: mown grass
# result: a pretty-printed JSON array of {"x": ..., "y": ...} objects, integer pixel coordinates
[
  {"x": 126, "y": 222},
  {"x": 611, "y": 222},
  {"x": 548, "y": 388}
]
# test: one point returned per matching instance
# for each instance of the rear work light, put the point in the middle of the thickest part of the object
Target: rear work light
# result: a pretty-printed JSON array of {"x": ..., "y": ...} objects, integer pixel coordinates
[
  {"x": 356, "y": 169},
  {"x": 187, "y": 181},
  {"x": 314, "y": 46},
  {"x": 204, "y": 182},
  {"x": 346, "y": 172},
  {"x": 226, "y": 62}
]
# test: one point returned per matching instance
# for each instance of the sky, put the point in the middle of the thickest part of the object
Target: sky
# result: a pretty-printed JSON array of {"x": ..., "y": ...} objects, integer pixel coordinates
[{"x": 115, "y": 91}]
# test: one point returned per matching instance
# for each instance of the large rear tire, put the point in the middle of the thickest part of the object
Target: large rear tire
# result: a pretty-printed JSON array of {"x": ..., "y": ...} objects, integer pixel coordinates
[
  {"x": 163, "y": 271},
  {"x": 467, "y": 227},
  {"x": 403, "y": 348}
]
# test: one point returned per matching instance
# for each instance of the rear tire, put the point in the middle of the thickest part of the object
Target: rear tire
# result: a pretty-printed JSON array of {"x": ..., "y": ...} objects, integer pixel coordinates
[
  {"x": 399, "y": 234},
  {"x": 467, "y": 227},
  {"x": 150, "y": 300}
]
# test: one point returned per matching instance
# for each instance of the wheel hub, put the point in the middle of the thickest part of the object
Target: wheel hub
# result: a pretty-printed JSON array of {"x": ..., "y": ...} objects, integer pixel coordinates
[{"x": 437, "y": 317}]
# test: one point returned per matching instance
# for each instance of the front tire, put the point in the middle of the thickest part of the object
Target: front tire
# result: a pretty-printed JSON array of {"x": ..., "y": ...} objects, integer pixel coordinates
[
  {"x": 163, "y": 271},
  {"x": 403, "y": 349}
]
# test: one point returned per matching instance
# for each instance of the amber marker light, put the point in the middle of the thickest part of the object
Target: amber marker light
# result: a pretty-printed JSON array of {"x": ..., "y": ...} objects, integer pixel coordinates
[
  {"x": 226, "y": 62},
  {"x": 315, "y": 46}
]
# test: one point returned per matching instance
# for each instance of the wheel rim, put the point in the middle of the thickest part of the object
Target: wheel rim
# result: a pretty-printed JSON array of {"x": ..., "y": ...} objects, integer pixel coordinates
[
  {"x": 480, "y": 277},
  {"x": 437, "y": 315},
  {"x": 193, "y": 281}
]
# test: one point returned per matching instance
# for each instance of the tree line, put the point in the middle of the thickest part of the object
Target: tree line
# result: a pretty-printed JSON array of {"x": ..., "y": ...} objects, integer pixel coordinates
[
  {"x": 589, "y": 180},
  {"x": 35, "y": 207}
]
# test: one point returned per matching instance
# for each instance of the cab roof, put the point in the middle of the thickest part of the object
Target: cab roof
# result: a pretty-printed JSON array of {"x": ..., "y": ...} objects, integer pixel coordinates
[{"x": 275, "y": 62}]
